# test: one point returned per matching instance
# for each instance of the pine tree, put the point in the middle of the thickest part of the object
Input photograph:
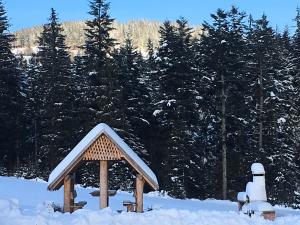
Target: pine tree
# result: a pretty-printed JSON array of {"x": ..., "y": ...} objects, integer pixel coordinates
[
  {"x": 103, "y": 99},
  {"x": 214, "y": 50},
  {"x": 220, "y": 56},
  {"x": 262, "y": 52},
  {"x": 176, "y": 104},
  {"x": 237, "y": 114},
  {"x": 102, "y": 77},
  {"x": 134, "y": 95},
  {"x": 80, "y": 80},
  {"x": 134, "y": 98},
  {"x": 296, "y": 53},
  {"x": 152, "y": 137},
  {"x": 10, "y": 98},
  {"x": 272, "y": 108},
  {"x": 57, "y": 95},
  {"x": 285, "y": 98},
  {"x": 285, "y": 154},
  {"x": 32, "y": 114},
  {"x": 98, "y": 45}
]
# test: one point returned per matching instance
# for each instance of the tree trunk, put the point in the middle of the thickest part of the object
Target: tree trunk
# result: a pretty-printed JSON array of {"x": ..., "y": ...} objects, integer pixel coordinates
[
  {"x": 224, "y": 147},
  {"x": 35, "y": 147},
  {"x": 261, "y": 108},
  {"x": 17, "y": 164}
]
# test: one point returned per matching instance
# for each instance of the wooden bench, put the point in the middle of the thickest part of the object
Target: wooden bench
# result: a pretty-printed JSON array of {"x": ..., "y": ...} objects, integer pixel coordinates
[
  {"x": 97, "y": 193},
  {"x": 131, "y": 206},
  {"x": 78, "y": 205}
]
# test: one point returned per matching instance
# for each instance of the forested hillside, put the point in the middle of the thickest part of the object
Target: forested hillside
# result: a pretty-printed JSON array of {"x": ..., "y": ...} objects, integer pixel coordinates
[
  {"x": 138, "y": 30},
  {"x": 199, "y": 109}
]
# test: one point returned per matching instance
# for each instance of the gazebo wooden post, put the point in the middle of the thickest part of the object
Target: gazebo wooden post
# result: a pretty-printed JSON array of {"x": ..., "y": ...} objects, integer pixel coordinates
[
  {"x": 103, "y": 184},
  {"x": 67, "y": 193},
  {"x": 72, "y": 191},
  {"x": 139, "y": 193}
]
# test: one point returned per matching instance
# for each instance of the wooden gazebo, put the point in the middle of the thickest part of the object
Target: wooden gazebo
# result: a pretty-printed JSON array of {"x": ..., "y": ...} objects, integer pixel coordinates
[{"x": 100, "y": 144}]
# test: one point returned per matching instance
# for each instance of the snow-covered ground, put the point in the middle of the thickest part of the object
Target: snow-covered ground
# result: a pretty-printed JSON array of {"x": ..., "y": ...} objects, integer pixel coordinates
[{"x": 24, "y": 202}]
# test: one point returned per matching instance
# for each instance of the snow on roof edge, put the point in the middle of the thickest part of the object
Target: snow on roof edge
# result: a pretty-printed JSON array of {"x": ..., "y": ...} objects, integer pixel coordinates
[{"x": 78, "y": 150}]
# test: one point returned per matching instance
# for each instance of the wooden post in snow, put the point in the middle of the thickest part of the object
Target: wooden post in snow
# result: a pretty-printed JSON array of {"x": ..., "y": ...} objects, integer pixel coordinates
[
  {"x": 139, "y": 193},
  {"x": 103, "y": 184},
  {"x": 67, "y": 193}
]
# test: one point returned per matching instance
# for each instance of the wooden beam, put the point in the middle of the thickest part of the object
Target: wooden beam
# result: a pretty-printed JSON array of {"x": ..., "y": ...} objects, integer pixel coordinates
[
  {"x": 140, "y": 181},
  {"x": 67, "y": 193},
  {"x": 103, "y": 184},
  {"x": 97, "y": 193}
]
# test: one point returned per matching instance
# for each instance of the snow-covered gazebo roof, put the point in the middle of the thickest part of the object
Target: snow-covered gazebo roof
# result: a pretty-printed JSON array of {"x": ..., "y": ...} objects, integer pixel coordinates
[{"x": 117, "y": 147}]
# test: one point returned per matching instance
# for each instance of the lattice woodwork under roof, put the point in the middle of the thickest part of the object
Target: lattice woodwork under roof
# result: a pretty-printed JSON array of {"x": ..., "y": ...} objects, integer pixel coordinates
[{"x": 102, "y": 149}]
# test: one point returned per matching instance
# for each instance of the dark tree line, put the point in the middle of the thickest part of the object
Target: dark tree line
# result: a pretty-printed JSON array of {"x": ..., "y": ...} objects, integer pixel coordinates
[{"x": 199, "y": 110}]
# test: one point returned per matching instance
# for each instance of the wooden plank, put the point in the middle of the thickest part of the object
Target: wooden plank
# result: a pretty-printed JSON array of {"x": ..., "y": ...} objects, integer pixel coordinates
[
  {"x": 140, "y": 181},
  {"x": 97, "y": 193},
  {"x": 78, "y": 205},
  {"x": 103, "y": 184}
]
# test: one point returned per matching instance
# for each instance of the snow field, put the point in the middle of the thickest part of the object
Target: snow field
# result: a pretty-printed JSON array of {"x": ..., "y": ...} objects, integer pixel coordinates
[{"x": 24, "y": 202}]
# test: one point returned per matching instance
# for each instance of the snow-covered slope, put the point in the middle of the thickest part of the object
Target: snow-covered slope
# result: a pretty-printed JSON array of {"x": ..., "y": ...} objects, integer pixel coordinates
[{"x": 24, "y": 202}]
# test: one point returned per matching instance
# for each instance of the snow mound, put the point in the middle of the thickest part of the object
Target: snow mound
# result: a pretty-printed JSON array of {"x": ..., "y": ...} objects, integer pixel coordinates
[{"x": 9, "y": 207}]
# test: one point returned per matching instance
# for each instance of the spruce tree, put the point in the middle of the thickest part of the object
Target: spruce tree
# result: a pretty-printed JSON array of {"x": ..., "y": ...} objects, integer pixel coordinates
[
  {"x": 132, "y": 123},
  {"x": 32, "y": 112},
  {"x": 102, "y": 77},
  {"x": 81, "y": 84},
  {"x": 56, "y": 93},
  {"x": 134, "y": 96},
  {"x": 285, "y": 96},
  {"x": 103, "y": 98},
  {"x": 153, "y": 137},
  {"x": 176, "y": 104},
  {"x": 285, "y": 154},
  {"x": 237, "y": 114},
  {"x": 10, "y": 98},
  {"x": 220, "y": 56},
  {"x": 213, "y": 48},
  {"x": 262, "y": 55}
]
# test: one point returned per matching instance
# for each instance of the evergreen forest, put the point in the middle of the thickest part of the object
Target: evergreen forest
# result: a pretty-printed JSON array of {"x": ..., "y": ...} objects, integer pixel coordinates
[{"x": 198, "y": 109}]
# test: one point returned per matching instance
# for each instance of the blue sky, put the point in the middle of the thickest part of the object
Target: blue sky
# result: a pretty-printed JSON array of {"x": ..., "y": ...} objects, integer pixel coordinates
[{"x": 27, "y": 13}]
